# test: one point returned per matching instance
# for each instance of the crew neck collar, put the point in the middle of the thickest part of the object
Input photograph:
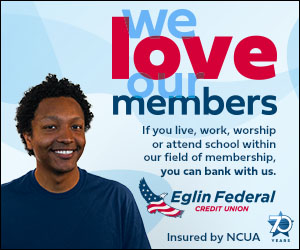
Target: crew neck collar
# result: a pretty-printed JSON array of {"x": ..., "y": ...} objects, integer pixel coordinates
[{"x": 74, "y": 190}]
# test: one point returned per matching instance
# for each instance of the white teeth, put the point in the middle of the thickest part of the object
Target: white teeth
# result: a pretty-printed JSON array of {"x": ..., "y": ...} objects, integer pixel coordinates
[{"x": 64, "y": 152}]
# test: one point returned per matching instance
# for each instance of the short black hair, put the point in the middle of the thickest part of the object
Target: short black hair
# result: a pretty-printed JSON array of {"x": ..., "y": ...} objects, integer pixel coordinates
[{"x": 51, "y": 87}]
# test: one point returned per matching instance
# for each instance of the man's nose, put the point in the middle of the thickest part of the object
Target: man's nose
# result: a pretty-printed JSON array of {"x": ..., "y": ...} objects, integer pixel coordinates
[{"x": 65, "y": 136}]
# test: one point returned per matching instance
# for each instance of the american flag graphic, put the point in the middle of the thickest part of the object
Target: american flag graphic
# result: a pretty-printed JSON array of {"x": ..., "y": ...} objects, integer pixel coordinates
[{"x": 156, "y": 202}]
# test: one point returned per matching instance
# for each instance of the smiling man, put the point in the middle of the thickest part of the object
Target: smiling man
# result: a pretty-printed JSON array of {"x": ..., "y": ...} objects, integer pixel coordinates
[{"x": 59, "y": 205}]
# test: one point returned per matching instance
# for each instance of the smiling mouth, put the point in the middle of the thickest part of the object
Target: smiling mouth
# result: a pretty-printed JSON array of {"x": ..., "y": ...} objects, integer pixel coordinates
[{"x": 64, "y": 153}]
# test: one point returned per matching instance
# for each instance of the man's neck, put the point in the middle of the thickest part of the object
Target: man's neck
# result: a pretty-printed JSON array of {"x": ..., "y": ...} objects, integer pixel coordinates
[{"x": 57, "y": 182}]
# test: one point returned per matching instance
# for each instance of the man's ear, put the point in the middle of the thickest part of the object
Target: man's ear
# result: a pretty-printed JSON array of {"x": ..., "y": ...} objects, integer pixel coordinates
[{"x": 28, "y": 140}]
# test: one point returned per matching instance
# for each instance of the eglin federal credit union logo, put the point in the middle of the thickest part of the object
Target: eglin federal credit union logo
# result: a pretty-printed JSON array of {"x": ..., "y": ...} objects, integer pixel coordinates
[
  {"x": 156, "y": 202},
  {"x": 281, "y": 224}
]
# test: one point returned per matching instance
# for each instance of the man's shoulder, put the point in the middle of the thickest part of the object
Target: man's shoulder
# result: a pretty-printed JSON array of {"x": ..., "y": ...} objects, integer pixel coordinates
[
  {"x": 99, "y": 180},
  {"x": 107, "y": 185},
  {"x": 19, "y": 187},
  {"x": 16, "y": 184}
]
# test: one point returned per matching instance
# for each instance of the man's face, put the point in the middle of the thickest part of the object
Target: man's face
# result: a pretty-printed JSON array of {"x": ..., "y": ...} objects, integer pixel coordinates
[{"x": 58, "y": 136}]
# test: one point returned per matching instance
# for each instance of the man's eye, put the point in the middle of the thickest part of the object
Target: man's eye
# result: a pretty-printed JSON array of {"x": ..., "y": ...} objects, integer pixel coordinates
[
  {"x": 77, "y": 127},
  {"x": 50, "y": 127}
]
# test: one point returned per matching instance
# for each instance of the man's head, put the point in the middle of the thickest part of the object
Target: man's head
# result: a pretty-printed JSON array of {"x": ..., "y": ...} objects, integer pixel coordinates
[{"x": 52, "y": 118}]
